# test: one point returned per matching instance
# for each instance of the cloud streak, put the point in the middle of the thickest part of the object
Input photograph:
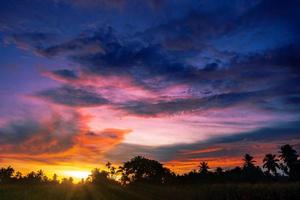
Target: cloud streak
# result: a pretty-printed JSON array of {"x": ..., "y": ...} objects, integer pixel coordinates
[{"x": 72, "y": 97}]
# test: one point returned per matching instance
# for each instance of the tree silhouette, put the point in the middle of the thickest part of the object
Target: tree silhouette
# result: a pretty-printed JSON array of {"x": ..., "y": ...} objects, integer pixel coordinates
[
  {"x": 203, "y": 168},
  {"x": 36, "y": 177},
  {"x": 251, "y": 172},
  {"x": 248, "y": 161},
  {"x": 270, "y": 162},
  {"x": 112, "y": 170},
  {"x": 124, "y": 176},
  {"x": 108, "y": 165},
  {"x": 67, "y": 181},
  {"x": 219, "y": 171},
  {"x": 140, "y": 169},
  {"x": 289, "y": 156},
  {"x": 18, "y": 175},
  {"x": 6, "y": 174},
  {"x": 55, "y": 179},
  {"x": 291, "y": 164},
  {"x": 98, "y": 176}
]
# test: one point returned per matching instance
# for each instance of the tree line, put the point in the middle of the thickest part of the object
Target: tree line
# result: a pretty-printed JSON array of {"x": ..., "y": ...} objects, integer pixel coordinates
[{"x": 284, "y": 167}]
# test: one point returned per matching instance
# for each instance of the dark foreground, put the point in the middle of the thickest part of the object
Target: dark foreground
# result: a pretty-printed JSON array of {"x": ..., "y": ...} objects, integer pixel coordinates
[{"x": 115, "y": 192}]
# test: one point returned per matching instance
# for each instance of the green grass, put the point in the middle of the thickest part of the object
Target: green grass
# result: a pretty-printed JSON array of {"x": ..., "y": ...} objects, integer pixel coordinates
[{"x": 271, "y": 191}]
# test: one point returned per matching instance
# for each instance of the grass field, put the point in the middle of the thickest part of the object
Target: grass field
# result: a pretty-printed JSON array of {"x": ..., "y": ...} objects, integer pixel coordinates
[{"x": 143, "y": 192}]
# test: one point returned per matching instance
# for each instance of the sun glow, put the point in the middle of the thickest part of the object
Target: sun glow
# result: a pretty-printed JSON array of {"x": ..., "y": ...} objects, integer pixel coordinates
[{"x": 77, "y": 175}]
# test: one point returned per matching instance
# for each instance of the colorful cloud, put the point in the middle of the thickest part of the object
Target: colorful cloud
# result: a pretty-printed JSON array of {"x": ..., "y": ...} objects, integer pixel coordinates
[{"x": 85, "y": 82}]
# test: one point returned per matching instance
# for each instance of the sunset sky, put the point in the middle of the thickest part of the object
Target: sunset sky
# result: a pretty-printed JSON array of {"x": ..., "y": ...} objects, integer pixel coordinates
[{"x": 84, "y": 82}]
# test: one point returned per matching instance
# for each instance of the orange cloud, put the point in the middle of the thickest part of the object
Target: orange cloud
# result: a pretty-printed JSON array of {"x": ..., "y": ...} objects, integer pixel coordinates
[
  {"x": 61, "y": 141},
  {"x": 185, "y": 165},
  {"x": 92, "y": 144},
  {"x": 207, "y": 150}
]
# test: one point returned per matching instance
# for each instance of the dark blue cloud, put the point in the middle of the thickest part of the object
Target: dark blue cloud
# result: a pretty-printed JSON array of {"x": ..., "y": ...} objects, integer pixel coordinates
[
  {"x": 286, "y": 56},
  {"x": 235, "y": 51},
  {"x": 188, "y": 105},
  {"x": 281, "y": 130},
  {"x": 11, "y": 133},
  {"x": 71, "y": 96},
  {"x": 114, "y": 55},
  {"x": 65, "y": 74}
]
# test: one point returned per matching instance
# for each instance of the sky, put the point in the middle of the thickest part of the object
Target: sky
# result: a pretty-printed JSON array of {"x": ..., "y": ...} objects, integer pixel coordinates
[{"x": 84, "y": 82}]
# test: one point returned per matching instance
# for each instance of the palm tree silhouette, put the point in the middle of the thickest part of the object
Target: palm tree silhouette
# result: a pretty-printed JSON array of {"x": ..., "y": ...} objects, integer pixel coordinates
[
  {"x": 271, "y": 163},
  {"x": 203, "y": 167},
  {"x": 249, "y": 161},
  {"x": 289, "y": 156}
]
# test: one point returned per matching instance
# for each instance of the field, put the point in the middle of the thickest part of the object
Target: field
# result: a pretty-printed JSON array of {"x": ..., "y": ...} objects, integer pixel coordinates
[{"x": 272, "y": 191}]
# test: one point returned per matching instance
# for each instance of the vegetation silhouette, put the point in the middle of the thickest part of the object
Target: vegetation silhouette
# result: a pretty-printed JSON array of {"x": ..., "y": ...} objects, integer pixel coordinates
[
  {"x": 278, "y": 178},
  {"x": 203, "y": 168},
  {"x": 270, "y": 163},
  {"x": 140, "y": 170},
  {"x": 291, "y": 164},
  {"x": 143, "y": 170}
]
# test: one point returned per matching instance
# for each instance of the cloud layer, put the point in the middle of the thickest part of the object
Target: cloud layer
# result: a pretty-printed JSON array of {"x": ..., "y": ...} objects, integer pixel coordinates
[{"x": 179, "y": 81}]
